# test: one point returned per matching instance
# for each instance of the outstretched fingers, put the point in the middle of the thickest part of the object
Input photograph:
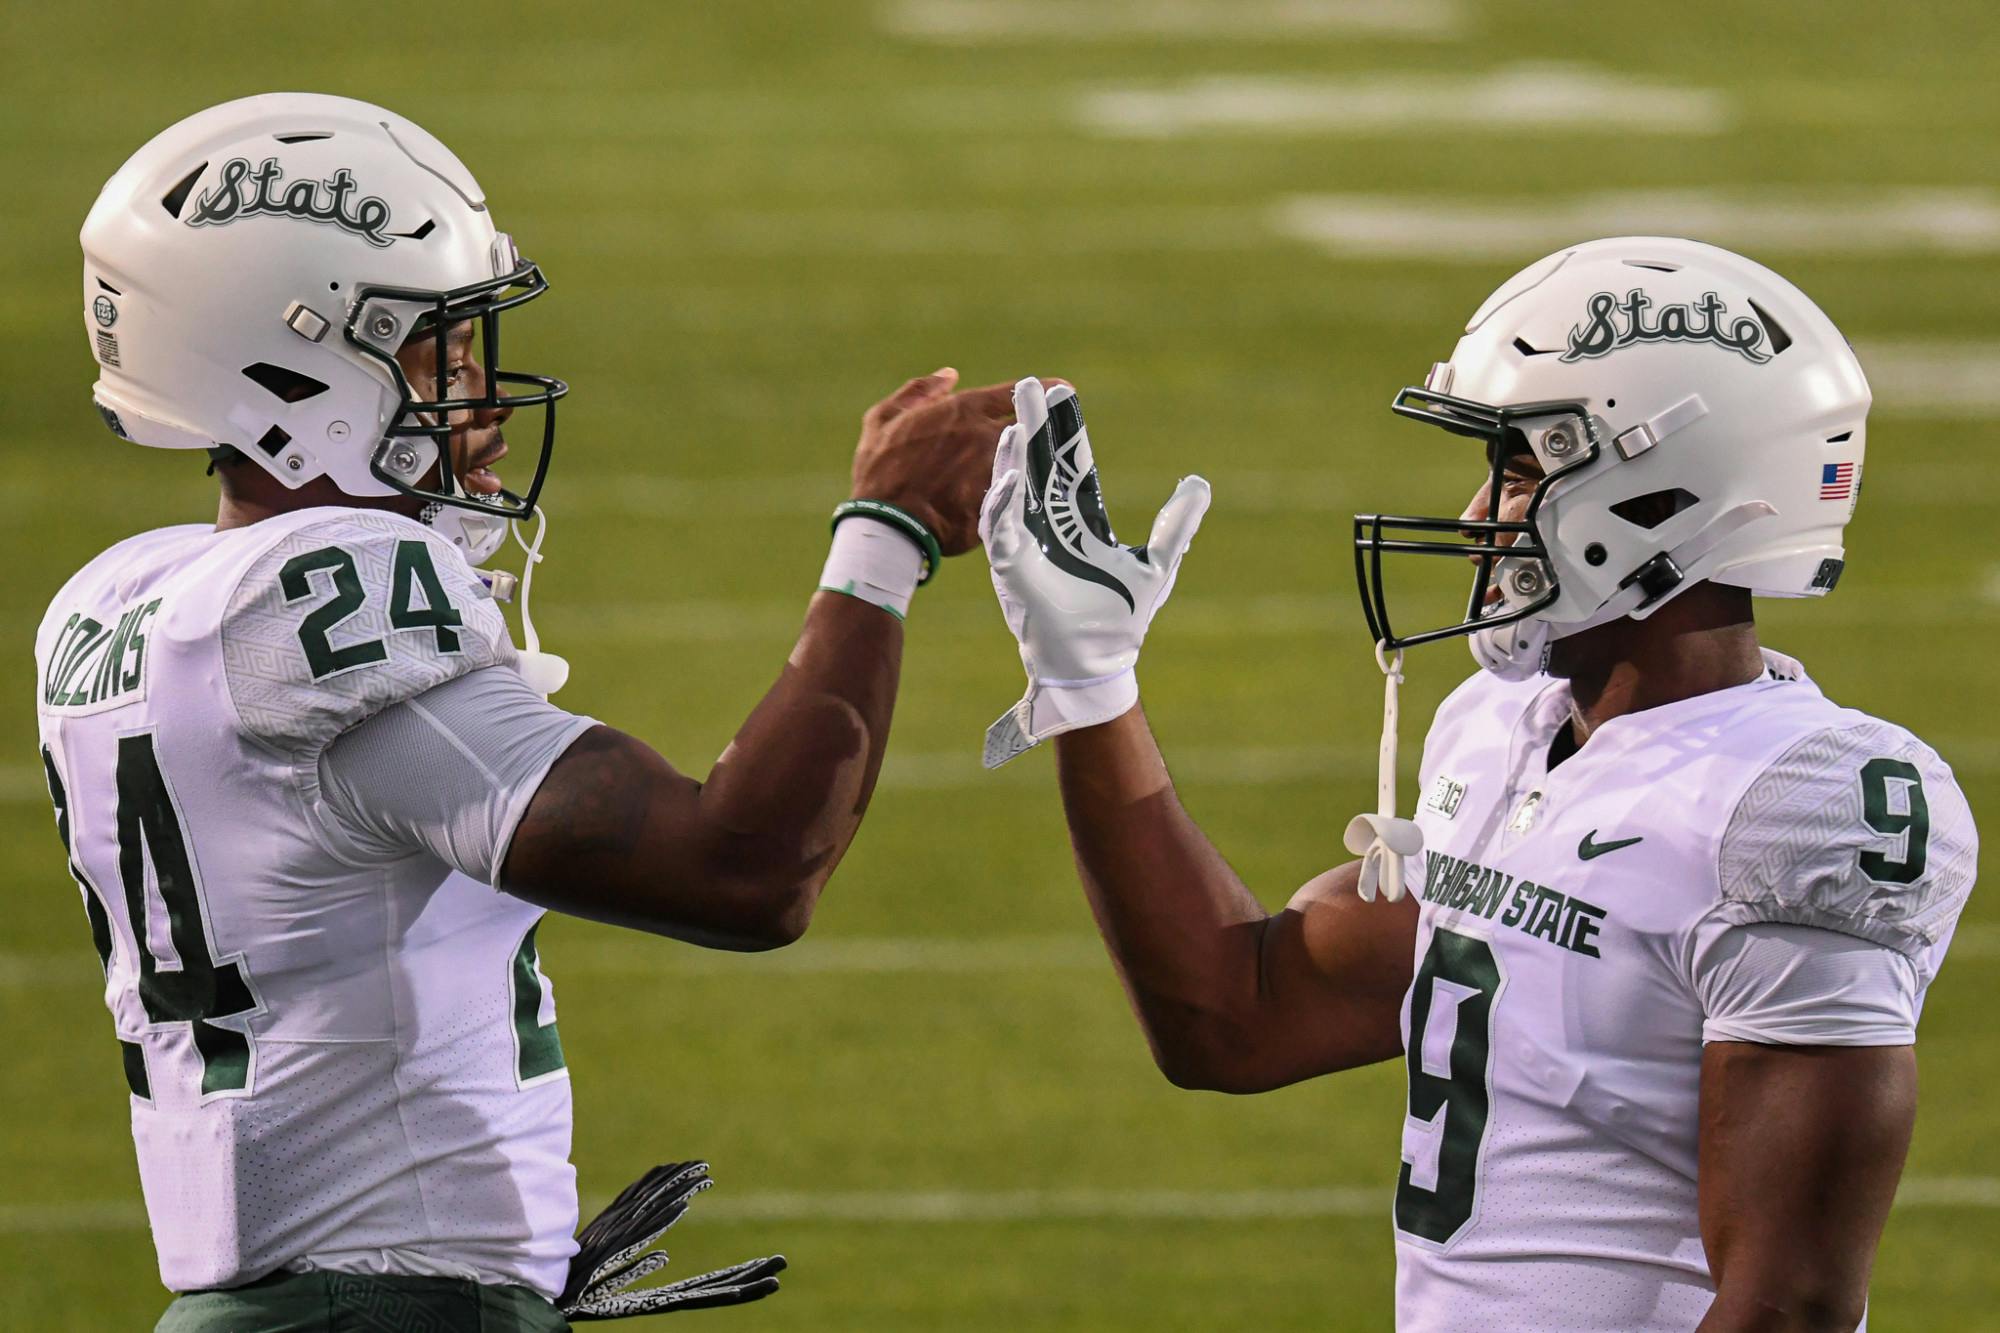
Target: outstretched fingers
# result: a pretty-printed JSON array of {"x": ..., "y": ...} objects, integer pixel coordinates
[
  {"x": 1178, "y": 520},
  {"x": 999, "y": 518}
]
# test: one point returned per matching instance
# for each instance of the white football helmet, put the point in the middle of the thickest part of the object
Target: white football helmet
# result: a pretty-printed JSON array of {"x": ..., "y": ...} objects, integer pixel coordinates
[
  {"x": 1697, "y": 418},
  {"x": 250, "y": 274}
]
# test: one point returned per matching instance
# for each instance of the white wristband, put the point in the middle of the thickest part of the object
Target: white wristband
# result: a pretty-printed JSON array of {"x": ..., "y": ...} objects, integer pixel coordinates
[{"x": 874, "y": 562}]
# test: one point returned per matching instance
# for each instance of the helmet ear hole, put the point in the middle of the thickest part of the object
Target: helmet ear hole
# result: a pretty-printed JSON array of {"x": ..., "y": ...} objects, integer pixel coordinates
[
  {"x": 1654, "y": 508},
  {"x": 175, "y": 200},
  {"x": 290, "y": 385},
  {"x": 1780, "y": 340}
]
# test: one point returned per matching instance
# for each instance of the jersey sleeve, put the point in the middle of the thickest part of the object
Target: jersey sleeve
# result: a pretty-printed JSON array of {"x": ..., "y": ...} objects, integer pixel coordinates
[
  {"x": 1802, "y": 986},
  {"x": 449, "y": 772},
  {"x": 341, "y": 619},
  {"x": 1858, "y": 830}
]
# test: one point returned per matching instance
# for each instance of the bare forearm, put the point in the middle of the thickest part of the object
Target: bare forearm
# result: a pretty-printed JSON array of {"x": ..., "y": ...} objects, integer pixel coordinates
[
  {"x": 616, "y": 835},
  {"x": 787, "y": 796},
  {"x": 1180, "y": 926}
]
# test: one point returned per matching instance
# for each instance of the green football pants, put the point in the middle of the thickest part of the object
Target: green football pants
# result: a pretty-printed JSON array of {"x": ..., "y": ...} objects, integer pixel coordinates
[{"x": 357, "y": 1303}]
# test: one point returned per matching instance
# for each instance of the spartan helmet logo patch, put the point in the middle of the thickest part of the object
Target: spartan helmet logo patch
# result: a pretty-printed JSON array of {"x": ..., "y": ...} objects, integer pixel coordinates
[
  {"x": 241, "y": 192},
  {"x": 1613, "y": 324}
]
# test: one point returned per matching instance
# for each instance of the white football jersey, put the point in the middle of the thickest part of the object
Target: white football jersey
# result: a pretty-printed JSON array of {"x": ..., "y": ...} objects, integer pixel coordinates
[
  {"x": 1564, "y": 975},
  {"x": 336, "y": 1059}
]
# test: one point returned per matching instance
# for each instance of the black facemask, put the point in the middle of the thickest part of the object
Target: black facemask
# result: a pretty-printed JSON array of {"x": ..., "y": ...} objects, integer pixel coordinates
[
  {"x": 1377, "y": 535},
  {"x": 481, "y": 303}
]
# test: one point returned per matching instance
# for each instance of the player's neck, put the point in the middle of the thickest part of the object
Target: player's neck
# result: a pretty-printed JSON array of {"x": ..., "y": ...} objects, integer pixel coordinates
[
  {"x": 1702, "y": 641},
  {"x": 250, "y": 496}
]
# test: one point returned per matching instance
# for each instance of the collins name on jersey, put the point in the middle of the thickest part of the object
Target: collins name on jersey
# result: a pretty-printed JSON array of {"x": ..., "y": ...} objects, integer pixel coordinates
[
  {"x": 1753, "y": 864},
  {"x": 341, "y": 1054}
]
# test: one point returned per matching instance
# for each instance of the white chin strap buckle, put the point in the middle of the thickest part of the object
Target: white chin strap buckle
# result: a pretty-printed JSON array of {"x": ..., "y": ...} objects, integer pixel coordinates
[
  {"x": 545, "y": 673},
  {"x": 1514, "y": 651},
  {"x": 1382, "y": 840}
]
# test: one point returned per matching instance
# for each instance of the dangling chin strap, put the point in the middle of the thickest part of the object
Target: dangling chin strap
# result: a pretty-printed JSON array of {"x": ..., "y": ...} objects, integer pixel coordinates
[
  {"x": 1382, "y": 840},
  {"x": 545, "y": 672}
]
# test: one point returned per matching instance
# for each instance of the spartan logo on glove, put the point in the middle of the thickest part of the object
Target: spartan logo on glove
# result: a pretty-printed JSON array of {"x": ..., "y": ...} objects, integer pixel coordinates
[
  {"x": 1616, "y": 324},
  {"x": 1071, "y": 499},
  {"x": 243, "y": 193}
]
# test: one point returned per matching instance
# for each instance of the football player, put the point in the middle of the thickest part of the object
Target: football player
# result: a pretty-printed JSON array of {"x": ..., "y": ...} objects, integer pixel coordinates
[
  {"x": 317, "y": 801},
  {"x": 1657, "y": 978}
]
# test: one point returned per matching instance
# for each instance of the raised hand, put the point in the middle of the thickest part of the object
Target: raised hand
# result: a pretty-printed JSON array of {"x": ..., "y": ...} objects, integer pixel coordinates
[
  {"x": 1079, "y": 604},
  {"x": 927, "y": 450}
]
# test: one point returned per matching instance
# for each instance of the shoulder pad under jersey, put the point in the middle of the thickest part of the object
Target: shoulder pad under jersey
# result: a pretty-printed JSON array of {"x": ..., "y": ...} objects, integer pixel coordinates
[
  {"x": 1857, "y": 828},
  {"x": 341, "y": 618}
]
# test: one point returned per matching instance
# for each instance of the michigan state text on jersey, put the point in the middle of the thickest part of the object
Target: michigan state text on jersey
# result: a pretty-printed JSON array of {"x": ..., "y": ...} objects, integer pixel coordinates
[
  {"x": 1653, "y": 948},
  {"x": 316, "y": 800}
]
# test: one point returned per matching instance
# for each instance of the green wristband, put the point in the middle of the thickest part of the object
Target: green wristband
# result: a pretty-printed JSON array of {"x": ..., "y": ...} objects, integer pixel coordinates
[{"x": 900, "y": 519}]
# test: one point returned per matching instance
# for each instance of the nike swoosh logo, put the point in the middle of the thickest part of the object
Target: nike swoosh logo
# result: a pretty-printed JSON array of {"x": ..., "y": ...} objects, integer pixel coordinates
[{"x": 1588, "y": 850}]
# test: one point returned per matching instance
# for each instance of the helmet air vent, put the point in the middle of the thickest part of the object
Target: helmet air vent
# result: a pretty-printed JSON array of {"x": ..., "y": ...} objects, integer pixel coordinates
[
  {"x": 1525, "y": 348},
  {"x": 1657, "y": 265},
  {"x": 176, "y": 199},
  {"x": 288, "y": 384},
  {"x": 425, "y": 228},
  {"x": 1652, "y": 509},
  {"x": 1841, "y": 438},
  {"x": 1780, "y": 340},
  {"x": 305, "y": 136},
  {"x": 274, "y": 441},
  {"x": 108, "y": 287}
]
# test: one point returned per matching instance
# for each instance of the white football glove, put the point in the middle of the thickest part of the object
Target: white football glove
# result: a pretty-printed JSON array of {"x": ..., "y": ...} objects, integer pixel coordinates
[{"x": 1077, "y": 602}]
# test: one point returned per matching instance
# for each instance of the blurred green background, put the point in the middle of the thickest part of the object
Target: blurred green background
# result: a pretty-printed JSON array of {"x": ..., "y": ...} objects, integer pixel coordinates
[{"x": 1238, "y": 227}]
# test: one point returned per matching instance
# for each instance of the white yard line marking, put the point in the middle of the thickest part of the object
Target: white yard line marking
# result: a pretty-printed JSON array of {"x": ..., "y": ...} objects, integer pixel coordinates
[
  {"x": 920, "y": 1207},
  {"x": 974, "y": 22},
  {"x": 1565, "y": 99},
  {"x": 1934, "y": 379},
  {"x": 1852, "y": 222}
]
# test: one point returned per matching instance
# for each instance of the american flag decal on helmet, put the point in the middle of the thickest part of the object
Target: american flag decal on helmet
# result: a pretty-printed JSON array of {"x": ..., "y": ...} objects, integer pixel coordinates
[{"x": 1836, "y": 481}]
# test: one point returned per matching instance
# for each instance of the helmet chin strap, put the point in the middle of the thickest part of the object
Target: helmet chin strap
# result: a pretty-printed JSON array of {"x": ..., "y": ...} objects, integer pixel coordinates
[
  {"x": 1511, "y": 652},
  {"x": 1382, "y": 840},
  {"x": 478, "y": 535},
  {"x": 545, "y": 672},
  {"x": 1517, "y": 651}
]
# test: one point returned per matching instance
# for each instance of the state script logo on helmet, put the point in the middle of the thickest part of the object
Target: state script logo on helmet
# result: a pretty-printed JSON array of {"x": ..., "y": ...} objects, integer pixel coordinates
[
  {"x": 265, "y": 259},
  {"x": 1694, "y": 415}
]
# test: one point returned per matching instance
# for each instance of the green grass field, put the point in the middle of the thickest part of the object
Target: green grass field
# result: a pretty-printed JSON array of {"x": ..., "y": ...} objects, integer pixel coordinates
[{"x": 758, "y": 219}]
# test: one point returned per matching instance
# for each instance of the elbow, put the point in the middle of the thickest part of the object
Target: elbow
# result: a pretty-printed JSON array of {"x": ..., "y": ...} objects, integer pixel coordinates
[
  {"x": 1190, "y": 1073},
  {"x": 1804, "y": 1305},
  {"x": 1827, "y": 1308},
  {"x": 1836, "y": 1316},
  {"x": 787, "y": 925},
  {"x": 1200, "y": 1076},
  {"x": 1208, "y": 1056},
  {"x": 751, "y": 919},
  {"x": 785, "y": 911}
]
